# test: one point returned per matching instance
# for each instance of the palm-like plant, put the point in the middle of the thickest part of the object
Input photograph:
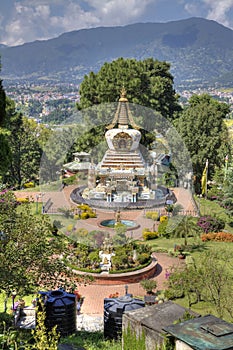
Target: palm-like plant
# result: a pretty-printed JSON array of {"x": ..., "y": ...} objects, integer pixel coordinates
[{"x": 185, "y": 228}]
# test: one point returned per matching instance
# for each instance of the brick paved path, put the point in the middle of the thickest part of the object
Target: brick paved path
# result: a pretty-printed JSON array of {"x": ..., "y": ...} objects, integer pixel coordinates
[{"x": 94, "y": 294}]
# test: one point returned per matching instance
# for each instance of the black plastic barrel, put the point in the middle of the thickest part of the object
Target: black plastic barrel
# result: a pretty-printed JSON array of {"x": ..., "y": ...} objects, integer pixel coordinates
[
  {"x": 113, "y": 313},
  {"x": 60, "y": 310}
]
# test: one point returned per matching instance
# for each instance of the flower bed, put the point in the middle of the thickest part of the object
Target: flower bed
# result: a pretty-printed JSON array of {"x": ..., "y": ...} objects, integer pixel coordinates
[
  {"x": 123, "y": 278},
  {"x": 217, "y": 236}
]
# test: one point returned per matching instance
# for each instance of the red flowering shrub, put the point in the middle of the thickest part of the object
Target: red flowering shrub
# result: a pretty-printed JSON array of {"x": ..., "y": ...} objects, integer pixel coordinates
[
  {"x": 217, "y": 236},
  {"x": 114, "y": 295}
]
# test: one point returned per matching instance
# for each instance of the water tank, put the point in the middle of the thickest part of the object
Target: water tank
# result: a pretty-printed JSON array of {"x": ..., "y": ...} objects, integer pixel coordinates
[
  {"x": 60, "y": 309},
  {"x": 113, "y": 312}
]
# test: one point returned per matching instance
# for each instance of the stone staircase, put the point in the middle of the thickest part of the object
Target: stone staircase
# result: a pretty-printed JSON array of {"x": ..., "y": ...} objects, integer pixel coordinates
[
  {"x": 25, "y": 318},
  {"x": 125, "y": 159}
]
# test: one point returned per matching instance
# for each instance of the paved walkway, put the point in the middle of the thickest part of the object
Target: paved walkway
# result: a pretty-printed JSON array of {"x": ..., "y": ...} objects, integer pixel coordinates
[{"x": 94, "y": 294}]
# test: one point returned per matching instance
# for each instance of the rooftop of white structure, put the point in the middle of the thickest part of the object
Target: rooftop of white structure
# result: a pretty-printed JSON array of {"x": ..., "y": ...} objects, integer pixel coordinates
[{"x": 123, "y": 117}]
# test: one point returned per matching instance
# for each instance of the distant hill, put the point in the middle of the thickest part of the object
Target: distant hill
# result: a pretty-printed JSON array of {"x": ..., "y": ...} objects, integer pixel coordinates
[{"x": 200, "y": 51}]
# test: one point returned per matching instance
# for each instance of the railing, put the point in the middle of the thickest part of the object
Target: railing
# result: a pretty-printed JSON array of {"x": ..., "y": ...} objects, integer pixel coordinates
[
  {"x": 163, "y": 212},
  {"x": 76, "y": 197}
]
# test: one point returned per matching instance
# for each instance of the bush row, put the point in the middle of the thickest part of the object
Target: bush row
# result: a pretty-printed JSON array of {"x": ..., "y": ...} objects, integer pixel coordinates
[{"x": 217, "y": 236}]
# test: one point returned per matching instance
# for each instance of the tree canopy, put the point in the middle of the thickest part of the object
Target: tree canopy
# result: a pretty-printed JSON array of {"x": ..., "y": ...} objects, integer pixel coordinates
[
  {"x": 25, "y": 142},
  {"x": 148, "y": 83},
  {"x": 209, "y": 279},
  {"x": 29, "y": 254},
  {"x": 4, "y": 145},
  {"x": 2, "y": 105},
  {"x": 205, "y": 135}
]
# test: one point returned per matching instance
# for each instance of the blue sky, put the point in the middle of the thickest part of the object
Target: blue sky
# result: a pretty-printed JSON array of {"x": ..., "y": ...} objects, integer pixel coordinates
[{"x": 28, "y": 20}]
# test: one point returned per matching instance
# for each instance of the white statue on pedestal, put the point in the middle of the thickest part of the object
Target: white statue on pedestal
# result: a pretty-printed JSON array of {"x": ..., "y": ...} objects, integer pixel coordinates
[{"x": 106, "y": 255}]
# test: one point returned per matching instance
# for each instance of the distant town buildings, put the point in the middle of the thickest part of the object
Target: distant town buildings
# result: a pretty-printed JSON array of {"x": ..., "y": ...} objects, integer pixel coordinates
[{"x": 45, "y": 94}]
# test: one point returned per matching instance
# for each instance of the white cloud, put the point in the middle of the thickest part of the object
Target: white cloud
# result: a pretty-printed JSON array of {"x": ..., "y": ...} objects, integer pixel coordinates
[
  {"x": 74, "y": 17},
  {"x": 218, "y": 11},
  {"x": 192, "y": 9},
  {"x": 43, "y": 19},
  {"x": 30, "y": 20},
  {"x": 116, "y": 12}
]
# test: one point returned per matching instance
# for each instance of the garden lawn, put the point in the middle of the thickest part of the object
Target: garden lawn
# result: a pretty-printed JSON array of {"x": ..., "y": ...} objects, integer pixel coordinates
[
  {"x": 92, "y": 341},
  {"x": 67, "y": 223},
  {"x": 208, "y": 207},
  {"x": 166, "y": 244},
  {"x": 28, "y": 301},
  {"x": 163, "y": 244}
]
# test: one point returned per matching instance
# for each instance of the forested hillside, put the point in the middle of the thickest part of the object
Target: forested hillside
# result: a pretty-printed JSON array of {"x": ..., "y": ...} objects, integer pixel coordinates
[{"x": 199, "y": 50}]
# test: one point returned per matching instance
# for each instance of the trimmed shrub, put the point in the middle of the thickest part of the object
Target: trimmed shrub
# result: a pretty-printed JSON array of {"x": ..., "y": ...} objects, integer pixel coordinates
[
  {"x": 84, "y": 207},
  {"x": 69, "y": 228},
  {"x": 119, "y": 262},
  {"x": 152, "y": 215},
  {"x": 84, "y": 215},
  {"x": 210, "y": 224},
  {"x": 163, "y": 218},
  {"x": 147, "y": 235},
  {"x": 23, "y": 200},
  {"x": 94, "y": 256},
  {"x": 29, "y": 184},
  {"x": 91, "y": 214},
  {"x": 162, "y": 229}
]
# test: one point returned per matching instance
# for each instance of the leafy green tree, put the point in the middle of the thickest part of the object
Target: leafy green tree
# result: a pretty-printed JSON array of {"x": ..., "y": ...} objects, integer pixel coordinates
[
  {"x": 2, "y": 105},
  {"x": 204, "y": 133},
  {"x": 227, "y": 201},
  {"x": 209, "y": 279},
  {"x": 4, "y": 145},
  {"x": 27, "y": 249},
  {"x": 148, "y": 83},
  {"x": 25, "y": 148},
  {"x": 5, "y": 152},
  {"x": 22, "y": 141}
]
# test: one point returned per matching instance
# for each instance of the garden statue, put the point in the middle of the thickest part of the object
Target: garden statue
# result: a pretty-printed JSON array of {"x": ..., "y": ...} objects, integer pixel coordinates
[
  {"x": 118, "y": 217},
  {"x": 106, "y": 254}
]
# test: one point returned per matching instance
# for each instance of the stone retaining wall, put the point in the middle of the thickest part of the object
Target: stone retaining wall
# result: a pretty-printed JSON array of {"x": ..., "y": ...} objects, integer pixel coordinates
[{"x": 123, "y": 278}]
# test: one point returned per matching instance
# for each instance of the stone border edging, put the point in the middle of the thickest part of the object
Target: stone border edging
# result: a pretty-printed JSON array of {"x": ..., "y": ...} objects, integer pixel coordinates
[
  {"x": 123, "y": 278},
  {"x": 112, "y": 228}
]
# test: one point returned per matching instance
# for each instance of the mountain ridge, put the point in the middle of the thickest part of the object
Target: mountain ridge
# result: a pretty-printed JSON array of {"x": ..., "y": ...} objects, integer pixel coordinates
[{"x": 199, "y": 50}]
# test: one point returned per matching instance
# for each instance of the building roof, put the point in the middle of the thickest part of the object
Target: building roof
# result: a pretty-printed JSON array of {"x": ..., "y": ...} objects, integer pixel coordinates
[
  {"x": 158, "y": 316},
  {"x": 204, "y": 333},
  {"x": 81, "y": 154},
  {"x": 77, "y": 165}
]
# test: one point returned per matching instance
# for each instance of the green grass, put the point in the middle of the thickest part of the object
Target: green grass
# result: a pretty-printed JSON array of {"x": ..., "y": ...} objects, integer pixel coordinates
[
  {"x": 201, "y": 308},
  {"x": 53, "y": 186},
  {"x": 66, "y": 222},
  {"x": 91, "y": 341},
  {"x": 28, "y": 301},
  {"x": 208, "y": 207}
]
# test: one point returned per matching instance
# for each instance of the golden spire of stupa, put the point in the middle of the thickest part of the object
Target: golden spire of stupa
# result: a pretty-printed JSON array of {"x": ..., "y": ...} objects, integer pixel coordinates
[
  {"x": 123, "y": 95},
  {"x": 123, "y": 117}
]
